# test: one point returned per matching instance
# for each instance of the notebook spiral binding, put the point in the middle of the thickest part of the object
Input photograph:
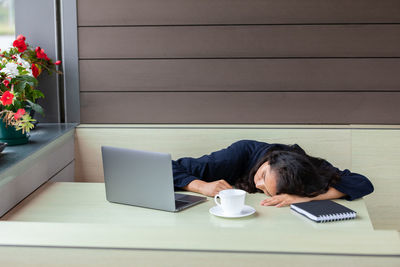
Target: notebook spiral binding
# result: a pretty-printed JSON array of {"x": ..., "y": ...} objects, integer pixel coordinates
[{"x": 337, "y": 217}]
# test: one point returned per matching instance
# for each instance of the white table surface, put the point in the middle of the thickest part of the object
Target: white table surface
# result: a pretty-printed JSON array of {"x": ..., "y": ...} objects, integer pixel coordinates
[{"x": 78, "y": 215}]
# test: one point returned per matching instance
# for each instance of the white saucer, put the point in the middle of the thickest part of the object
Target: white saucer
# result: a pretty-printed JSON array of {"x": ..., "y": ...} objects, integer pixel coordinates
[{"x": 217, "y": 211}]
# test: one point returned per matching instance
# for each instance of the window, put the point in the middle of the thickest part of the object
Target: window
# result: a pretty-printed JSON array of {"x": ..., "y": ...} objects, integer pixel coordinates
[{"x": 7, "y": 23}]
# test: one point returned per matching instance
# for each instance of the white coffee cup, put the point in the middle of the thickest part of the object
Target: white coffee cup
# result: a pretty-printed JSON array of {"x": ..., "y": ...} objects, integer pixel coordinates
[{"x": 232, "y": 200}]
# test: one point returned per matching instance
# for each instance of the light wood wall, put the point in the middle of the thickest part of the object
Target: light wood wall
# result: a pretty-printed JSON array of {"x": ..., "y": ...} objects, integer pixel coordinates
[
  {"x": 369, "y": 150},
  {"x": 228, "y": 61}
]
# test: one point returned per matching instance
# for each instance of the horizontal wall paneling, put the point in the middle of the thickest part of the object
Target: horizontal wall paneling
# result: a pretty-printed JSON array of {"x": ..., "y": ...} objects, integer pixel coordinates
[
  {"x": 241, "y": 107},
  {"x": 229, "y": 61},
  {"x": 240, "y": 41},
  {"x": 241, "y": 75},
  {"x": 178, "y": 12}
]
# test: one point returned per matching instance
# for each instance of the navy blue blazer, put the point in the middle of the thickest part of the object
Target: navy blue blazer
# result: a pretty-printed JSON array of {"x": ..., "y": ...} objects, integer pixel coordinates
[{"x": 239, "y": 158}]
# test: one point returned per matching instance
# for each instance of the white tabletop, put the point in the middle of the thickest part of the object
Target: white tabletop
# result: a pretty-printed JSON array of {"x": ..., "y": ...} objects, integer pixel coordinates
[
  {"x": 77, "y": 214},
  {"x": 86, "y": 203}
]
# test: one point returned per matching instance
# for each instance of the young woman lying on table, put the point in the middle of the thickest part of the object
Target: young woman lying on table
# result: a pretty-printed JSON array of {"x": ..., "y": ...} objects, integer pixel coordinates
[{"x": 285, "y": 173}]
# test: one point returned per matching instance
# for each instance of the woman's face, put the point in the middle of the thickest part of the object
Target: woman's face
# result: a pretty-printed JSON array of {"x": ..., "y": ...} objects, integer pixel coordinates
[{"x": 265, "y": 179}]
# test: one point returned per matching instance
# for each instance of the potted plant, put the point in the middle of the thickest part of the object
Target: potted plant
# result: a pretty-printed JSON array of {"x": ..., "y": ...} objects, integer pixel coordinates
[{"x": 20, "y": 66}]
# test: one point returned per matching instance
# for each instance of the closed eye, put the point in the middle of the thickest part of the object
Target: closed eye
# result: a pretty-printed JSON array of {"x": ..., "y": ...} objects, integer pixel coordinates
[{"x": 266, "y": 190}]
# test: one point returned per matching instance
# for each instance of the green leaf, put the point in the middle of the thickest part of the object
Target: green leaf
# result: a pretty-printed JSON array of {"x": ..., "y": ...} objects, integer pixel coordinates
[
  {"x": 25, "y": 123},
  {"x": 17, "y": 105},
  {"x": 29, "y": 79},
  {"x": 20, "y": 86},
  {"x": 36, "y": 107},
  {"x": 37, "y": 94}
]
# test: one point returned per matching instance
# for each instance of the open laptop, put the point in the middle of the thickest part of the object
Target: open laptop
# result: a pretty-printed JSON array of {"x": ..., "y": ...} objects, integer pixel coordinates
[{"x": 142, "y": 178}]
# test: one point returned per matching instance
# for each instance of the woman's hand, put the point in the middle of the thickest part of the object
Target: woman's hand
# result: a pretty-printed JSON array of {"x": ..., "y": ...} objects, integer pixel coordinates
[
  {"x": 207, "y": 189},
  {"x": 283, "y": 200},
  {"x": 213, "y": 188}
]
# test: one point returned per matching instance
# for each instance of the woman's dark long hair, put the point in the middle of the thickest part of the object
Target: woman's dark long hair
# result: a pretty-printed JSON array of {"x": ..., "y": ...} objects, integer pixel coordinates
[{"x": 298, "y": 173}]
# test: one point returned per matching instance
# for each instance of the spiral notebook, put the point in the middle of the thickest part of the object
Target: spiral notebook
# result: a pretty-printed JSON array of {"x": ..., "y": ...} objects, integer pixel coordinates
[{"x": 324, "y": 211}]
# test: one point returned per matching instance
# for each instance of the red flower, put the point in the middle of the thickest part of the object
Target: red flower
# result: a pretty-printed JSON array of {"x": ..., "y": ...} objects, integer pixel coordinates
[
  {"x": 20, "y": 43},
  {"x": 35, "y": 71},
  {"x": 7, "y": 98},
  {"x": 20, "y": 112},
  {"x": 41, "y": 54},
  {"x": 58, "y": 62},
  {"x": 21, "y": 37},
  {"x": 6, "y": 82}
]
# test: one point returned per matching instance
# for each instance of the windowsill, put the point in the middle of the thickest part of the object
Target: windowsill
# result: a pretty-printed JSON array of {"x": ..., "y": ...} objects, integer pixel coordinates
[
  {"x": 49, "y": 154},
  {"x": 44, "y": 134}
]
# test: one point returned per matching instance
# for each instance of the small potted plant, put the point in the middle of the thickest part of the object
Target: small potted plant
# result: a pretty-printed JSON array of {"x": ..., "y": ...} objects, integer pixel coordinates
[{"x": 20, "y": 66}]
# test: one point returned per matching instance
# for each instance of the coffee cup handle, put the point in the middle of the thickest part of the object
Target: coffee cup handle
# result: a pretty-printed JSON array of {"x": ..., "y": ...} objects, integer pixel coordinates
[{"x": 216, "y": 199}]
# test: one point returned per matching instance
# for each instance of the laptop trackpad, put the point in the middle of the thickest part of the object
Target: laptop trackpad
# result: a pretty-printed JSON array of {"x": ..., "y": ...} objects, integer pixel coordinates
[
  {"x": 180, "y": 204},
  {"x": 187, "y": 198}
]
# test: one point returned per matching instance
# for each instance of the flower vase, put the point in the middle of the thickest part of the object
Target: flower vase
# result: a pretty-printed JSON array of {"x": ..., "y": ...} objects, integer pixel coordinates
[{"x": 9, "y": 135}]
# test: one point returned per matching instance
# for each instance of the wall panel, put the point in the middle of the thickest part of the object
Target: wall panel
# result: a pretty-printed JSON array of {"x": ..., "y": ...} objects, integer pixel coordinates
[
  {"x": 240, "y": 107},
  {"x": 240, "y": 41},
  {"x": 228, "y": 61},
  {"x": 241, "y": 75},
  {"x": 195, "y": 141},
  {"x": 181, "y": 12},
  {"x": 376, "y": 154}
]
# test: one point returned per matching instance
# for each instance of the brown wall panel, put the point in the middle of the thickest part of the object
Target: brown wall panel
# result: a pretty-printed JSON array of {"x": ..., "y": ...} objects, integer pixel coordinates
[
  {"x": 240, "y": 41},
  {"x": 227, "y": 61},
  {"x": 178, "y": 12},
  {"x": 241, "y": 107},
  {"x": 241, "y": 75}
]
